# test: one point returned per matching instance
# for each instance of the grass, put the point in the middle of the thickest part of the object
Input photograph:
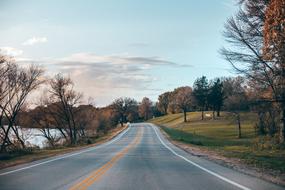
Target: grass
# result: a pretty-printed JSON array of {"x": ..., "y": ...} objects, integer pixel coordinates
[{"x": 220, "y": 135}]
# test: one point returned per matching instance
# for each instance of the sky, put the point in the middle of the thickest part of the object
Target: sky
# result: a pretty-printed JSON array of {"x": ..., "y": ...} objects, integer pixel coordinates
[{"x": 119, "y": 48}]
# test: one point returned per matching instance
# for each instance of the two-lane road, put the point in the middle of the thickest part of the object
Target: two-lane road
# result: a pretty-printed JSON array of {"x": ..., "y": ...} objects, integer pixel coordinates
[{"x": 139, "y": 158}]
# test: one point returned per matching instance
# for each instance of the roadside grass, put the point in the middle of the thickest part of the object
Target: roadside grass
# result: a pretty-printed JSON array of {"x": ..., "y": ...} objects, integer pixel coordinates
[
  {"x": 29, "y": 155},
  {"x": 220, "y": 135}
]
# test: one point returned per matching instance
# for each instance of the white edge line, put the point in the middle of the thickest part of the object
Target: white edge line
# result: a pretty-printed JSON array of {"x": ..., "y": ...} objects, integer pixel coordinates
[
  {"x": 197, "y": 165},
  {"x": 67, "y": 156}
]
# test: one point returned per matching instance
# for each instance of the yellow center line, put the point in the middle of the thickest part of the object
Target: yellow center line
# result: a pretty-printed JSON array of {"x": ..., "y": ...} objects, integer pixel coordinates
[{"x": 97, "y": 174}]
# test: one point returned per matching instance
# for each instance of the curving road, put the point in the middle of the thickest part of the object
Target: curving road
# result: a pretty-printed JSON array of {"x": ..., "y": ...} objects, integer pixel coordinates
[{"x": 139, "y": 158}]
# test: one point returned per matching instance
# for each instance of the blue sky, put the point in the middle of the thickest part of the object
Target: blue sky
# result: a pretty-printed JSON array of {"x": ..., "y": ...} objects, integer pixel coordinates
[{"x": 114, "y": 48}]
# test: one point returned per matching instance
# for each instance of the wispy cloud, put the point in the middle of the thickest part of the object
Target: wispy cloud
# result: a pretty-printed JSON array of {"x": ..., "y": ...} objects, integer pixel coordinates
[
  {"x": 110, "y": 76},
  {"x": 139, "y": 45},
  {"x": 112, "y": 71},
  {"x": 106, "y": 77},
  {"x": 10, "y": 51},
  {"x": 35, "y": 40}
]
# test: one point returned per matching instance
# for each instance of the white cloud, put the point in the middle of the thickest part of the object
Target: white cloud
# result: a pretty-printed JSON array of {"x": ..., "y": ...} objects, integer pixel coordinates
[
  {"x": 35, "y": 40},
  {"x": 106, "y": 77},
  {"x": 10, "y": 51}
]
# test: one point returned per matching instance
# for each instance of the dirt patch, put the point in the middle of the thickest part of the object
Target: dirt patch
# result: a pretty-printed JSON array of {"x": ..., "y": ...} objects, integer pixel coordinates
[{"x": 234, "y": 163}]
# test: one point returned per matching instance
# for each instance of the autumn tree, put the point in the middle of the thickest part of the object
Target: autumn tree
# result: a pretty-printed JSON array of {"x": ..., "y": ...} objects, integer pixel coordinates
[
  {"x": 145, "y": 108},
  {"x": 163, "y": 102},
  {"x": 252, "y": 34},
  {"x": 182, "y": 99},
  {"x": 200, "y": 92},
  {"x": 123, "y": 107},
  {"x": 274, "y": 52},
  {"x": 85, "y": 119}
]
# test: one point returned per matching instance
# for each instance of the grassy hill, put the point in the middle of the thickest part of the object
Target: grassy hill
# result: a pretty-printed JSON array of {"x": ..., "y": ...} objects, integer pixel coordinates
[{"x": 221, "y": 135}]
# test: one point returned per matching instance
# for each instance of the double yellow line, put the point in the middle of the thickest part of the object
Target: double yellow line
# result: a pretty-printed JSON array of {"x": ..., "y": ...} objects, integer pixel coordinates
[{"x": 97, "y": 174}]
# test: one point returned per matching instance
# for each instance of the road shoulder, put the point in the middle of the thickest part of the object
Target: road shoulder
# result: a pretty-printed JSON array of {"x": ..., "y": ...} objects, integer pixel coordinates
[{"x": 233, "y": 163}]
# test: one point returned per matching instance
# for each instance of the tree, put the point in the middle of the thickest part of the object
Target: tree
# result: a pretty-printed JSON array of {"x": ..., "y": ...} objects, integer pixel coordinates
[
  {"x": 16, "y": 84},
  {"x": 123, "y": 107},
  {"x": 182, "y": 98},
  {"x": 235, "y": 98},
  {"x": 200, "y": 92},
  {"x": 85, "y": 119},
  {"x": 163, "y": 102},
  {"x": 145, "y": 108},
  {"x": 244, "y": 33},
  {"x": 274, "y": 52},
  {"x": 40, "y": 119},
  {"x": 250, "y": 36},
  {"x": 216, "y": 96},
  {"x": 65, "y": 98}
]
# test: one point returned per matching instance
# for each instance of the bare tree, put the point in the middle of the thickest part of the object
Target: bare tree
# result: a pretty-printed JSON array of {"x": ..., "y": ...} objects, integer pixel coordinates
[
  {"x": 16, "y": 85},
  {"x": 65, "y": 98},
  {"x": 235, "y": 99}
]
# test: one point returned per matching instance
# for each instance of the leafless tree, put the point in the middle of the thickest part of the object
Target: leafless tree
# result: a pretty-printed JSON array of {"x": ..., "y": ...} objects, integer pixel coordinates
[
  {"x": 16, "y": 84},
  {"x": 64, "y": 99},
  {"x": 236, "y": 99}
]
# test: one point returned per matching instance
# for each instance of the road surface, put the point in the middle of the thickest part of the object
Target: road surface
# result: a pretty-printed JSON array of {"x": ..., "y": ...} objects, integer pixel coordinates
[{"x": 138, "y": 158}]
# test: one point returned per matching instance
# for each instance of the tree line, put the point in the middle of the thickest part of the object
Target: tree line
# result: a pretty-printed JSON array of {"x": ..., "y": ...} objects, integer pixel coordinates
[{"x": 59, "y": 107}]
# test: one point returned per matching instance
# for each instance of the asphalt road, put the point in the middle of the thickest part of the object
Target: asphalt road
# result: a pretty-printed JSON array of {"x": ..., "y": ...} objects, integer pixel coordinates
[{"x": 138, "y": 158}]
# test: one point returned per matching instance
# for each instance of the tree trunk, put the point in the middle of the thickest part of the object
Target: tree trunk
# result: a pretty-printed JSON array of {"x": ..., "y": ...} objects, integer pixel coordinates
[
  {"x": 202, "y": 114},
  {"x": 213, "y": 115},
  {"x": 261, "y": 125},
  {"x": 218, "y": 113},
  {"x": 282, "y": 127},
  {"x": 239, "y": 126},
  {"x": 185, "y": 116},
  {"x": 3, "y": 145},
  {"x": 18, "y": 136}
]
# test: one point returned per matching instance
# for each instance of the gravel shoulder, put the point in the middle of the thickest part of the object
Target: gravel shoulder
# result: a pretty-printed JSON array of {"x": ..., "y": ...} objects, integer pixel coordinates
[{"x": 234, "y": 163}]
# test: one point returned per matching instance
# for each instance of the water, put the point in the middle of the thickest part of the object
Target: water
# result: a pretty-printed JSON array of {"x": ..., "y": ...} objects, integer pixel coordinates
[{"x": 34, "y": 137}]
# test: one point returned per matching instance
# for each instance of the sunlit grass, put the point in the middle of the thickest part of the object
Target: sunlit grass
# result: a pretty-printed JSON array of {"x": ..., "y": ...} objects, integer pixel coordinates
[{"x": 221, "y": 135}]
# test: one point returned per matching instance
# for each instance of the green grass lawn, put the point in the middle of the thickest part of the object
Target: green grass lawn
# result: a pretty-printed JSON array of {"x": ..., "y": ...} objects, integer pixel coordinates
[{"x": 221, "y": 135}]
